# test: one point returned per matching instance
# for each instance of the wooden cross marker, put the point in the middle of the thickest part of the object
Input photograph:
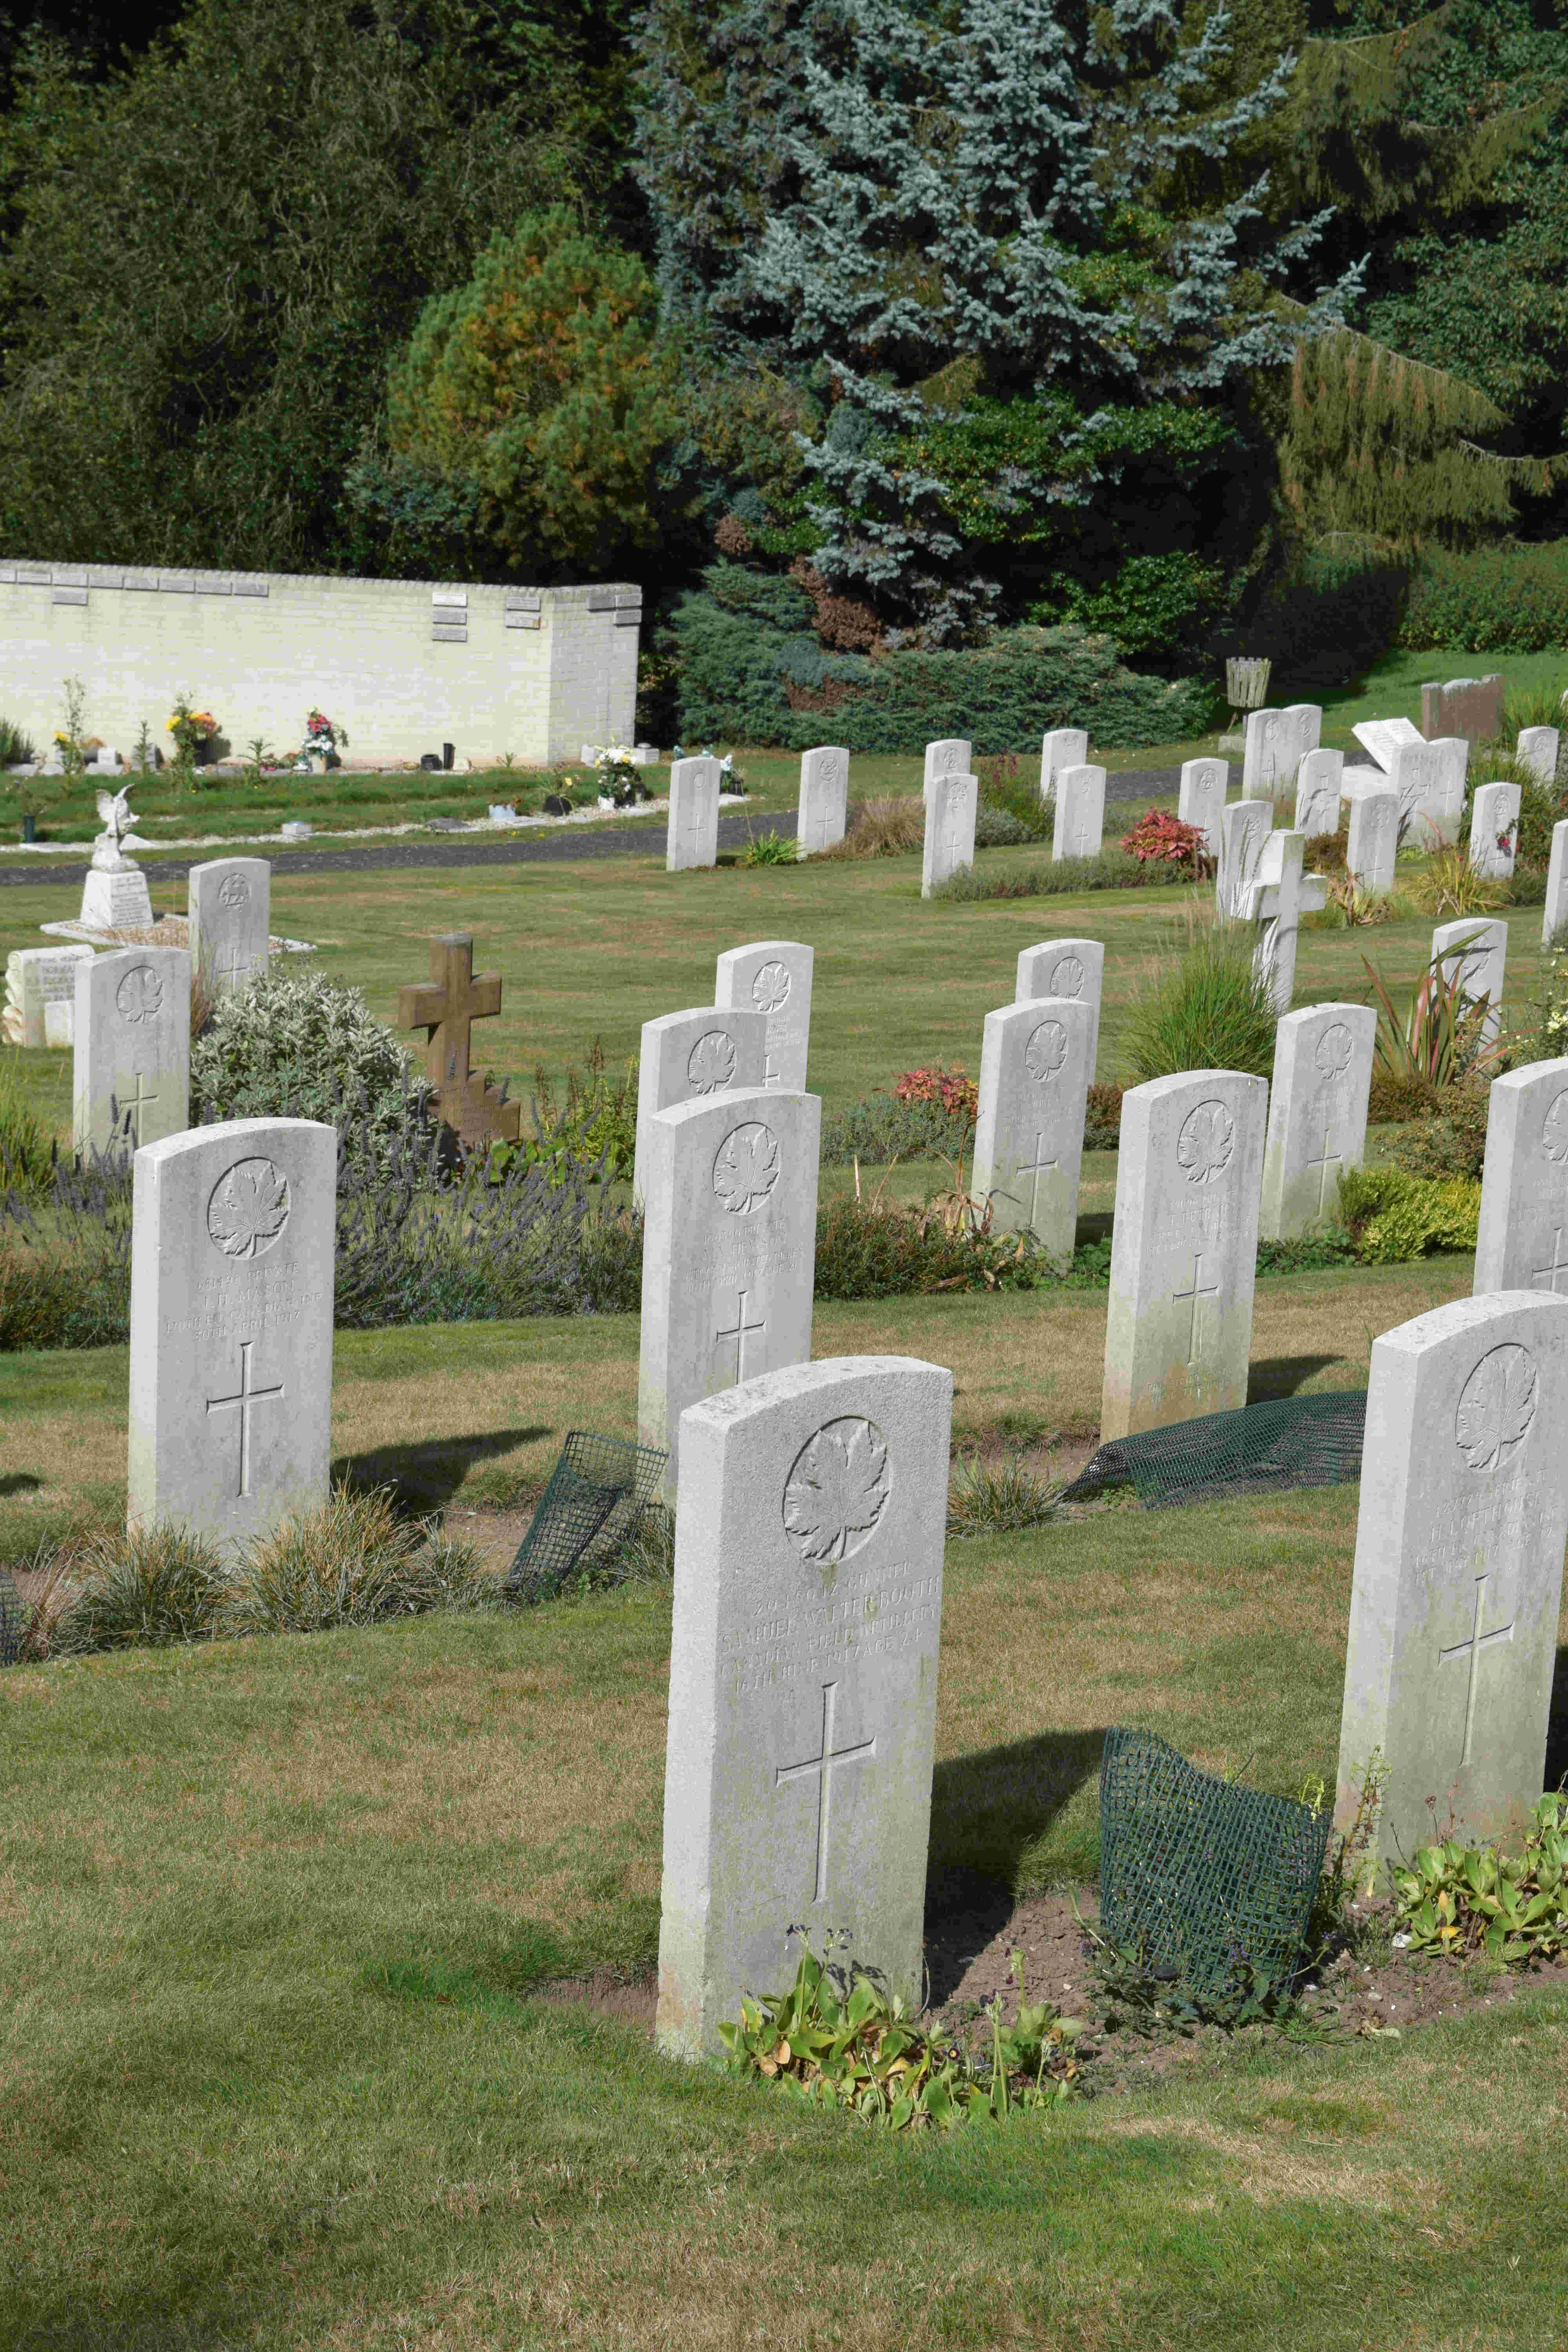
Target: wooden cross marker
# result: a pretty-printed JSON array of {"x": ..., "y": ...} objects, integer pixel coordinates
[{"x": 445, "y": 1008}]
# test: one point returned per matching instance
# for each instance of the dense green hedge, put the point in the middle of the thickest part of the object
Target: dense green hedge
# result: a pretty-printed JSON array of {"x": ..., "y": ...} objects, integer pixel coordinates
[{"x": 1508, "y": 599}]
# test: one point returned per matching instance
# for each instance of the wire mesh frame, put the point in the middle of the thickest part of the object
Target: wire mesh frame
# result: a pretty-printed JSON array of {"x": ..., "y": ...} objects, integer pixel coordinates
[
  {"x": 1307, "y": 1440},
  {"x": 596, "y": 1493},
  {"x": 10, "y": 1620},
  {"x": 1200, "y": 1873}
]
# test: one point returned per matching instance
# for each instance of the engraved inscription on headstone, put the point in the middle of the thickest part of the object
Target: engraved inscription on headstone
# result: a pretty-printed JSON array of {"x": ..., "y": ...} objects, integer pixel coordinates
[
  {"x": 703, "y": 1051},
  {"x": 950, "y": 804},
  {"x": 693, "y": 834},
  {"x": 824, "y": 805}
]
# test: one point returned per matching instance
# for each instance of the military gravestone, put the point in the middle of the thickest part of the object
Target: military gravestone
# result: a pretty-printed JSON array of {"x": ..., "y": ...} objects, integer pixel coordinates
[
  {"x": 230, "y": 903},
  {"x": 1035, "y": 1067},
  {"x": 951, "y": 801},
  {"x": 693, "y": 834},
  {"x": 1074, "y": 967},
  {"x": 950, "y": 757},
  {"x": 1374, "y": 841},
  {"x": 1320, "y": 781},
  {"x": 1494, "y": 830},
  {"x": 1080, "y": 825},
  {"x": 1200, "y": 802},
  {"x": 1521, "y": 1241},
  {"x": 708, "y": 1049},
  {"x": 823, "y": 805},
  {"x": 1063, "y": 747},
  {"x": 1317, "y": 1115},
  {"x": 131, "y": 1050},
  {"x": 1477, "y": 949},
  {"x": 772, "y": 977}
]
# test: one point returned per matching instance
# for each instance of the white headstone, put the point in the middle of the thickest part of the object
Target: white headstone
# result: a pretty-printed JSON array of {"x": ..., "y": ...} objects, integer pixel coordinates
[
  {"x": 950, "y": 757},
  {"x": 1183, "y": 1255},
  {"x": 1494, "y": 829},
  {"x": 1381, "y": 738},
  {"x": 1079, "y": 824},
  {"x": 1201, "y": 799},
  {"x": 1318, "y": 787},
  {"x": 708, "y": 1049},
  {"x": 951, "y": 801},
  {"x": 772, "y": 977},
  {"x": 729, "y": 1252},
  {"x": 1317, "y": 1115},
  {"x": 1556, "y": 912},
  {"x": 1355, "y": 782},
  {"x": 231, "y": 1326},
  {"x": 1458, "y": 1571},
  {"x": 54, "y": 763},
  {"x": 1305, "y": 720},
  {"x": 1063, "y": 747},
  {"x": 39, "y": 982},
  {"x": 131, "y": 1045},
  {"x": 1523, "y": 1239},
  {"x": 1429, "y": 778},
  {"x": 1270, "y": 757},
  {"x": 1537, "y": 749},
  {"x": 1244, "y": 827},
  {"x": 105, "y": 762},
  {"x": 230, "y": 908},
  {"x": 803, "y": 1682},
  {"x": 1280, "y": 895},
  {"x": 1036, "y": 1064},
  {"x": 1478, "y": 946},
  {"x": 1074, "y": 967},
  {"x": 692, "y": 836},
  {"x": 1374, "y": 841},
  {"x": 824, "y": 809}
]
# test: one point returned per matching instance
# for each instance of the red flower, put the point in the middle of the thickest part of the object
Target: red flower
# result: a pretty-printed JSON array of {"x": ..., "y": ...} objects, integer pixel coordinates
[{"x": 1160, "y": 838}]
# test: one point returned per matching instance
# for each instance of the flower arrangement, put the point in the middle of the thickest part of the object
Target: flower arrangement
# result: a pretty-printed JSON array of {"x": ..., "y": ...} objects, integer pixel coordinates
[
  {"x": 615, "y": 771},
  {"x": 321, "y": 737},
  {"x": 1160, "y": 838},
  {"x": 191, "y": 728},
  {"x": 955, "y": 1089}
]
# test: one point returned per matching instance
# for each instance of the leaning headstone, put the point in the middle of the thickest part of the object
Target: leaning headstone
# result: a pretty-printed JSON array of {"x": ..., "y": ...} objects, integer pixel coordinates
[
  {"x": 1458, "y": 1571},
  {"x": 803, "y": 1678},
  {"x": 1183, "y": 1249},
  {"x": 1280, "y": 895},
  {"x": 1382, "y": 737},
  {"x": 1200, "y": 802},
  {"x": 708, "y": 1049},
  {"x": 1245, "y": 828},
  {"x": 692, "y": 836},
  {"x": 1537, "y": 749},
  {"x": 1523, "y": 1228},
  {"x": 1079, "y": 824},
  {"x": 952, "y": 802},
  {"x": 231, "y": 1326},
  {"x": 1471, "y": 707},
  {"x": 729, "y": 1252},
  {"x": 230, "y": 905},
  {"x": 823, "y": 808},
  {"x": 1480, "y": 947},
  {"x": 772, "y": 977},
  {"x": 40, "y": 994},
  {"x": 1036, "y": 1062},
  {"x": 1063, "y": 747},
  {"x": 1073, "y": 968},
  {"x": 1318, "y": 781},
  {"x": 1374, "y": 843},
  {"x": 1555, "y": 916},
  {"x": 950, "y": 757},
  {"x": 132, "y": 1050},
  {"x": 446, "y": 1007},
  {"x": 1494, "y": 830},
  {"x": 1317, "y": 1115}
]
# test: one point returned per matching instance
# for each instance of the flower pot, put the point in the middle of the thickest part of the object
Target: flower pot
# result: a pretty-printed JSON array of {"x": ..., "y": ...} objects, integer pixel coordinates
[
  {"x": 318, "y": 763},
  {"x": 29, "y": 825}
]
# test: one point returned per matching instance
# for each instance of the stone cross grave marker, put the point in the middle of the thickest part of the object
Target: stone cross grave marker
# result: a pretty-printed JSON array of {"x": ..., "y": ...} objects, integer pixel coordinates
[
  {"x": 951, "y": 801},
  {"x": 1183, "y": 1249},
  {"x": 823, "y": 808},
  {"x": 1537, "y": 749},
  {"x": 1494, "y": 829},
  {"x": 131, "y": 1050},
  {"x": 803, "y": 1678},
  {"x": 707, "y": 1049},
  {"x": 1521, "y": 1243},
  {"x": 40, "y": 994},
  {"x": 446, "y": 1007},
  {"x": 1245, "y": 828},
  {"x": 1278, "y": 898},
  {"x": 1470, "y": 706},
  {"x": 230, "y": 905},
  {"x": 231, "y": 1326},
  {"x": 1063, "y": 747},
  {"x": 1079, "y": 824},
  {"x": 693, "y": 835},
  {"x": 1319, "y": 783},
  {"x": 1458, "y": 1569},
  {"x": 1479, "y": 949},
  {"x": 1035, "y": 1067},
  {"x": 1201, "y": 799},
  {"x": 1374, "y": 841},
  {"x": 772, "y": 977},
  {"x": 1555, "y": 915},
  {"x": 952, "y": 756},
  {"x": 729, "y": 1251},
  {"x": 1074, "y": 967},
  {"x": 1317, "y": 1115}
]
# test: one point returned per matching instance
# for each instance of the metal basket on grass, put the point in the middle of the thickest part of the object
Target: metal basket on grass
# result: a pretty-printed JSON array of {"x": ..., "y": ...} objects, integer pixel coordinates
[{"x": 597, "y": 1491}]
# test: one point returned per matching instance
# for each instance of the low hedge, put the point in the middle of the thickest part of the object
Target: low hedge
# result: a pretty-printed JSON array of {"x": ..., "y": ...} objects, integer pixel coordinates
[{"x": 1511, "y": 598}]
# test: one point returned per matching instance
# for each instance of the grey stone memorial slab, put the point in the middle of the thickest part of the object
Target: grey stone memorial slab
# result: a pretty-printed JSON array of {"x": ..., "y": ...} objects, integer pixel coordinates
[
  {"x": 230, "y": 904},
  {"x": 1479, "y": 945},
  {"x": 1080, "y": 825},
  {"x": 1374, "y": 841},
  {"x": 823, "y": 807},
  {"x": 1538, "y": 750},
  {"x": 1471, "y": 707},
  {"x": 1073, "y": 968},
  {"x": 1458, "y": 1571},
  {"x": 729, "y": 1252},
  {"x": 693, "y": 835},
  {"x": 1036, "y": 1062},
  {"x": 131, "y": 1050},
  {"x": 1200, "y": 800},
  {"x": 1062, "y": 746},
  {"x": 1245, "y": 828},
  {"x": 1494, "y": 830},
  {"x": 231, "y": 1326},
  {"x": 803, "y": 1683},
  {"x": 952, "y": 756},
  {"x": 1317, "y": 1115},
  {"x": 41, "y": 982},
  {"x": 1183, "y": 1249},
  {"x": 772, "y": 977},
  {"x": 1555, "y": 915},
  {"x": 951, "y": 802},
  {"x": 1521, "y": 1241},
  {"x": 706, "y": 1050},
  {"x": 1319, "y": 783}
]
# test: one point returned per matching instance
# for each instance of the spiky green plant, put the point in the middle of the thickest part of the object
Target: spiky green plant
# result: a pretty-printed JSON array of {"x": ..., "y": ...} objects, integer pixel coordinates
[{"x": 1206, "y": 1007}]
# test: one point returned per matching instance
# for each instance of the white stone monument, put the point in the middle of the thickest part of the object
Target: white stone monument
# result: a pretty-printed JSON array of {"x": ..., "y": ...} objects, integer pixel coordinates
[
  {"x": 1429, "y": 778},
  {"x": 1036, "y": 1062},
  {"x": 693, "y": 835},
  {"x": 114, "y": 898},
  {"x": 803, "y": 1683},
  {"x": 1317, "y": 1115},
  {"x": 1537, "y": 749},
  {"x": 1280, "y": 895},
  {"x": 772, "y": 977},
  {"x": 824, "y": 809},
  {"x": 1200, "y": 800},
  {"x": 1183, "y": 1249},
  {"x": 1374, "y": 841},
  {"x": 1382, "y": 737},
  {"x": 231, "y": 1326},
  {"x": 1319, "y": 783},
  {"x": 1074, "y": 967},
  {"x": 729, "y": 1252},
  {"x": 1479, "y": 945},
  {"x": 1555, "y": 916},
  {"x": 951, "y": 801},
  {"x": 1062, "y": 746},
  {"x": 230, "y": 908},
  {"x": 1458, "y": 1571},
  {"x": 1268, "y": 756},
  {"x": 708, "y": 1049},
  {"x": 132, "y": 1050},
  {"x": 1494, "y": 830},
  {"x": 1521, "y": 1243},
  {"x": 1080, "y": 825},
  {"x": 952, "y": 756},
  {"x": 40, "y": 994},
  {"x": 1244, "y": 827}
]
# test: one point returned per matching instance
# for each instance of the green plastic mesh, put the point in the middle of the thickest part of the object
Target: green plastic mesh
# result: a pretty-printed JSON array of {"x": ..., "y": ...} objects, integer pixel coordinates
[
  {"x": 1200, "y": 1875},
  {"x": 597, "y": 1491},
  {"x": 1305, "y": 1441},
  {"x": 10, "y": 1620}
]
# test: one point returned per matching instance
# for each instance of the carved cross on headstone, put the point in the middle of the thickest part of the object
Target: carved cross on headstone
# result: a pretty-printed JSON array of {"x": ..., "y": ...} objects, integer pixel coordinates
[
  {"x": 819, "y": 1768},
  {"x": 1322, "y": 1163},
  {"x": 445, "y": 1009},
  {"x": 1197, "y": 1291},
  {"x": 128, "y": 1110},
  {"x": 1034, "y": 1169},
  {"x": 1472, "y": 1651}
]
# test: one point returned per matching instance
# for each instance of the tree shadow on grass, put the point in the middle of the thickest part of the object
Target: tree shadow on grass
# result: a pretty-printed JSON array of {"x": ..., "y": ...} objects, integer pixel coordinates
[
  {"x": 429, "y": 1471},
  {"x": 987, "y": 1809},
  {"x": 1285, "y": 1376},
  {"x": 21, "y": 1482}
]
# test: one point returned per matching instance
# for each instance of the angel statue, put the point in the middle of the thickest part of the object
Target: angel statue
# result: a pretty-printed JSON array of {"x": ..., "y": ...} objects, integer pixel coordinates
[{"x": 109, "y": 849}]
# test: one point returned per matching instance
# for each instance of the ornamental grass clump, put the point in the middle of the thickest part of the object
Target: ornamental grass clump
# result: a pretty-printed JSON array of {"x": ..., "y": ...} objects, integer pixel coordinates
[
  {"x": 1203, "y": 1007},
  {"x": 885, "y": 826},
  {"x": 1440, "y": 1038},
  {"x": 353, "y": 1563},
  {"x": 141, "y": 1590}
]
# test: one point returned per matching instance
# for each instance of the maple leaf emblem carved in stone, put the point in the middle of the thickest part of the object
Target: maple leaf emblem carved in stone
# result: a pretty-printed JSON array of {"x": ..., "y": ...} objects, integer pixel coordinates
[
  {"x": 1068, "y": 978},
  {"x": 1497, "y": 1406},
  {"x": 770, "y": 989},
  {"x": 1335, "y": 1047},
  {"x": 234, "y": 891},
  {"x": 1554, "y": 1130},
  {"x": 1046, "y": 1051},
  {"x": 711, "y": 1063},
  {"x": 746, "y": 1167},
  {"x": 248, "y": 1209},
  {"x": 836, "y": 1490},
  {"x": 1206, "y": 1142},
  {"x": 140, "y": 995}
]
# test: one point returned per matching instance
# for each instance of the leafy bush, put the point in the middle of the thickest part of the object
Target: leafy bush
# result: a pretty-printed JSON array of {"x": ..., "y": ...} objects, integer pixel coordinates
[
  {"x": 25, "y": 1154},
  {"x": 1392, "y": 1216},
  {"x": 140, "y": 1590},
  {"x": 1161, "y": 839},
  {"x": 1205, "y": 1008},
  {"x": 1456, "y": 1901},
  {"x": 1102, "y": 1120},
  {"x": 879, "y": 1127},
  {"x": 1539, "y": 805},
  {"x": 1452, "y": 1141},
  {"x": 1446, "y": 884},
  {"x": 999, "y": 828},
  {"x": 955, "y": 1089},
  {"x": 304, "y": 1046},
  {"x": 865, "y": 1250},
  {"x": 353, "y": 1563},
  {"x": 1509, "y": 597},
  {"x": 1009, "y": 790},
  {"x": 596, "y": 1123}
]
